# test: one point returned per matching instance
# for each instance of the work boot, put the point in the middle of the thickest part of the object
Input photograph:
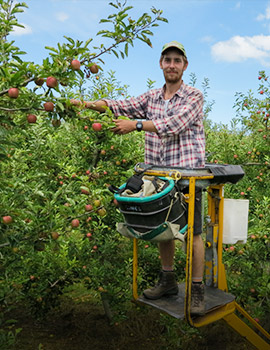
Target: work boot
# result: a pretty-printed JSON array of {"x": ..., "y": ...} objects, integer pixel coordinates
[
  {"x": 166, "y": 285},
  {"x": 197, "y": 299}
]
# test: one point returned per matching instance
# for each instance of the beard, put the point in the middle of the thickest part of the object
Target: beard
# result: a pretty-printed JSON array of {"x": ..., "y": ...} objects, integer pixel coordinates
[{"x": 173, "y": 78}]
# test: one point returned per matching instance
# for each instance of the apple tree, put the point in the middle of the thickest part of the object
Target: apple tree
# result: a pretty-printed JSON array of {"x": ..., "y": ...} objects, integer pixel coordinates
[{"x": 57, "y": 217}]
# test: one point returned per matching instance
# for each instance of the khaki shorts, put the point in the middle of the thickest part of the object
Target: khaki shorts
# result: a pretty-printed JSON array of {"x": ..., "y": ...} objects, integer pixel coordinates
[{"x": 197, "y": 230}]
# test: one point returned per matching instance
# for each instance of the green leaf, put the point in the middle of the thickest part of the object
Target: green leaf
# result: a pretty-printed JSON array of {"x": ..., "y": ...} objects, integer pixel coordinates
[
  {"x": 51, "y": 49},
  {"x": 115, "y": 52},
  {"x": 126, "y": 49},
  {"x": 104, "y": 21},
  {"x": 70, "y": 40}
]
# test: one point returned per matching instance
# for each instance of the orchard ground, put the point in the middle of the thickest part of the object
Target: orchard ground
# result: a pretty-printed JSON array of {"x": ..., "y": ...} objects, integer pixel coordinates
[{"x": 81, "y": 323}]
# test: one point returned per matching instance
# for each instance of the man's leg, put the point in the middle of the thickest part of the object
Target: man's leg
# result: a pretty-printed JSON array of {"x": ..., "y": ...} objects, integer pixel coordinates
[
  {"x": 198, "y": 259},
  {"x": 166, "y": 251},
  {"x": 167, "y": 284}
]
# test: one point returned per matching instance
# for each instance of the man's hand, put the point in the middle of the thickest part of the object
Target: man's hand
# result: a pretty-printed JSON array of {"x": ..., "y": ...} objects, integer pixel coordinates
[{"x": 123, "y": 126}]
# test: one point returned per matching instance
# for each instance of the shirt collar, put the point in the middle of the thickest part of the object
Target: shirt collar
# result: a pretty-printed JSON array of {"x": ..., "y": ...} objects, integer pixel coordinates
[{"x": 179, "y": 92}]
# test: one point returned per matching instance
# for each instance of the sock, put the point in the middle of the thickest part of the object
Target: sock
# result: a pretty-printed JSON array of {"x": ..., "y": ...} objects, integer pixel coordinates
[
  {"x": 167, "y": 269},
  {"x": 197, "y": 280}
]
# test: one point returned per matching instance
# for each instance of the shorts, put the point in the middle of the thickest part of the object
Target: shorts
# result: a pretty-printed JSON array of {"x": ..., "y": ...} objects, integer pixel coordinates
[{"x": 197, "y": 229}]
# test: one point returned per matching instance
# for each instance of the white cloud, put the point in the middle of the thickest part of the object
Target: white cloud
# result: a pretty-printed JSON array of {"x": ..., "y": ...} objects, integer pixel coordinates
[
  {"x": 61, "y": 16},
  {"x": 266, "y": 16},
  {"x": 21, "y": 31},
  {"x": 239, "y": 49}
]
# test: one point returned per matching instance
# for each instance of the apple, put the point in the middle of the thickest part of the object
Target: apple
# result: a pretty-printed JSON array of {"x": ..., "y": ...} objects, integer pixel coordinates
[
  {"x": 102, "y": 212},
  {"x": 88, "y": 207},
  {"x": 85, "y": 191},
  {"x": 48, "y": 106},
  {"x": 7, "y": 219},
  {"x": 88, "y": 172},
  {"x": 95, "y": 247},
  {"x": 96, "y": 126},
  {"x": 97, "y": 202},
  {"x": 51, "y": 82},
  {"x": 89, "y": 235},
  {"x": 31, "y": 118},
  {"x": 55, "y": 235},
  {"x": 75, "y": 223},
  {"x": 103, "y": 152},
  {"x": 13, "y": 92},
  {"x": 261, "y": 92},
  {"x": 75, "y": 64},
  {"x": 39, "y": 81},
  {"x": 56, "y": 122},
  {"x": 85, "y": 127},
  {"x": 94, "y": 68}
]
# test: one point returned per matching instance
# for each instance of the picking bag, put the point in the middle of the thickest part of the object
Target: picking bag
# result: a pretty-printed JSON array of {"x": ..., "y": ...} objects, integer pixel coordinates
[
  {"x": 158, "y": 202},
  {"x": 165, "y": 232}
]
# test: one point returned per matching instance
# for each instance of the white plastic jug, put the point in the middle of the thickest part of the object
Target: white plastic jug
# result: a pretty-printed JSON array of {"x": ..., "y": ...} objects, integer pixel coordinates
[{"x": 235, "y": 220}]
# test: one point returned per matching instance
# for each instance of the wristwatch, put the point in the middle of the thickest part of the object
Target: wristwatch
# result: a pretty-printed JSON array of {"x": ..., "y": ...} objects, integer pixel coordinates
[{"x": 139, "y": 125}]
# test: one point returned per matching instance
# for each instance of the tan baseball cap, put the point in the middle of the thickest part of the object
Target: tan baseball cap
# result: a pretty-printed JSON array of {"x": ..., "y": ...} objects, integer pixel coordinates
[{"x": 175, "y": 44}]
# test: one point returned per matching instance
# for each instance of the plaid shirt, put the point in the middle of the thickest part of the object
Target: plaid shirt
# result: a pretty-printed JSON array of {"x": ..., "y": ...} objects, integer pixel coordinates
[{"x": 180, "y": 139}]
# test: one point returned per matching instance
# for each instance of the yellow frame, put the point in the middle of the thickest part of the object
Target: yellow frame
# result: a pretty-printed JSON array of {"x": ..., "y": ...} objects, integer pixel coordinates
[{"x": 227, "y": 312}]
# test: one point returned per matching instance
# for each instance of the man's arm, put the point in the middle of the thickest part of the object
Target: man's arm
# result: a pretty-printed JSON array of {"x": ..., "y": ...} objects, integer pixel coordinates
[
  {"x": 123, "y": 126},
  {"x": 96, "y": 105}
]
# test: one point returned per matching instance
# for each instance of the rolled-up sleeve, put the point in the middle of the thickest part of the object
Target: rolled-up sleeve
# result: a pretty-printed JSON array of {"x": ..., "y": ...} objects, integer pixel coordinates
[
  {"x": 134, "y": 108},
  {"x": 182, "y": 115}
]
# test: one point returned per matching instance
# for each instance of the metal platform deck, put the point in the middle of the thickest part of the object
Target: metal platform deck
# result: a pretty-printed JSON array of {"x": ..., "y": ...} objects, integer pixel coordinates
[{"x": 174, "y": 305}]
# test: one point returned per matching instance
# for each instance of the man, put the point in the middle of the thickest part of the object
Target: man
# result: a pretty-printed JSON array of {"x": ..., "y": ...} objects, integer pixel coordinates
[{"x": 172, "y": 119}]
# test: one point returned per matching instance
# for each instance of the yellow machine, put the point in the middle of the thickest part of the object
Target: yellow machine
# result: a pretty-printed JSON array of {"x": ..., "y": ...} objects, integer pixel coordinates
[{"x": 219, "y": 303}]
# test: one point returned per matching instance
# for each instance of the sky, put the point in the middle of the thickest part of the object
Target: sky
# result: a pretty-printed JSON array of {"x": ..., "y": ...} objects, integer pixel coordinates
[{"x": 227, "y": 42}]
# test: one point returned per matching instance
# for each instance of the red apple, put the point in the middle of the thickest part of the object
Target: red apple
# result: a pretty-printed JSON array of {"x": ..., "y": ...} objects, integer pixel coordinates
[
  {"x": 13, "y": 92},
  {"x": 55, "y": 235},
  {"x": 96, "y": 126},
  {"x": 88, "y": 207},
  {"x": 85, "y": 191},
  {"x": 48, "y": 106},
  {"x": 31, "y": 118},
  {"x": 75, "y": 64},
  {"x": 7, "y": 219},
  {"x": 94, "y": 68},
  {"x": 51, "y": 82},
  {"x": 75, "y": 223}
]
